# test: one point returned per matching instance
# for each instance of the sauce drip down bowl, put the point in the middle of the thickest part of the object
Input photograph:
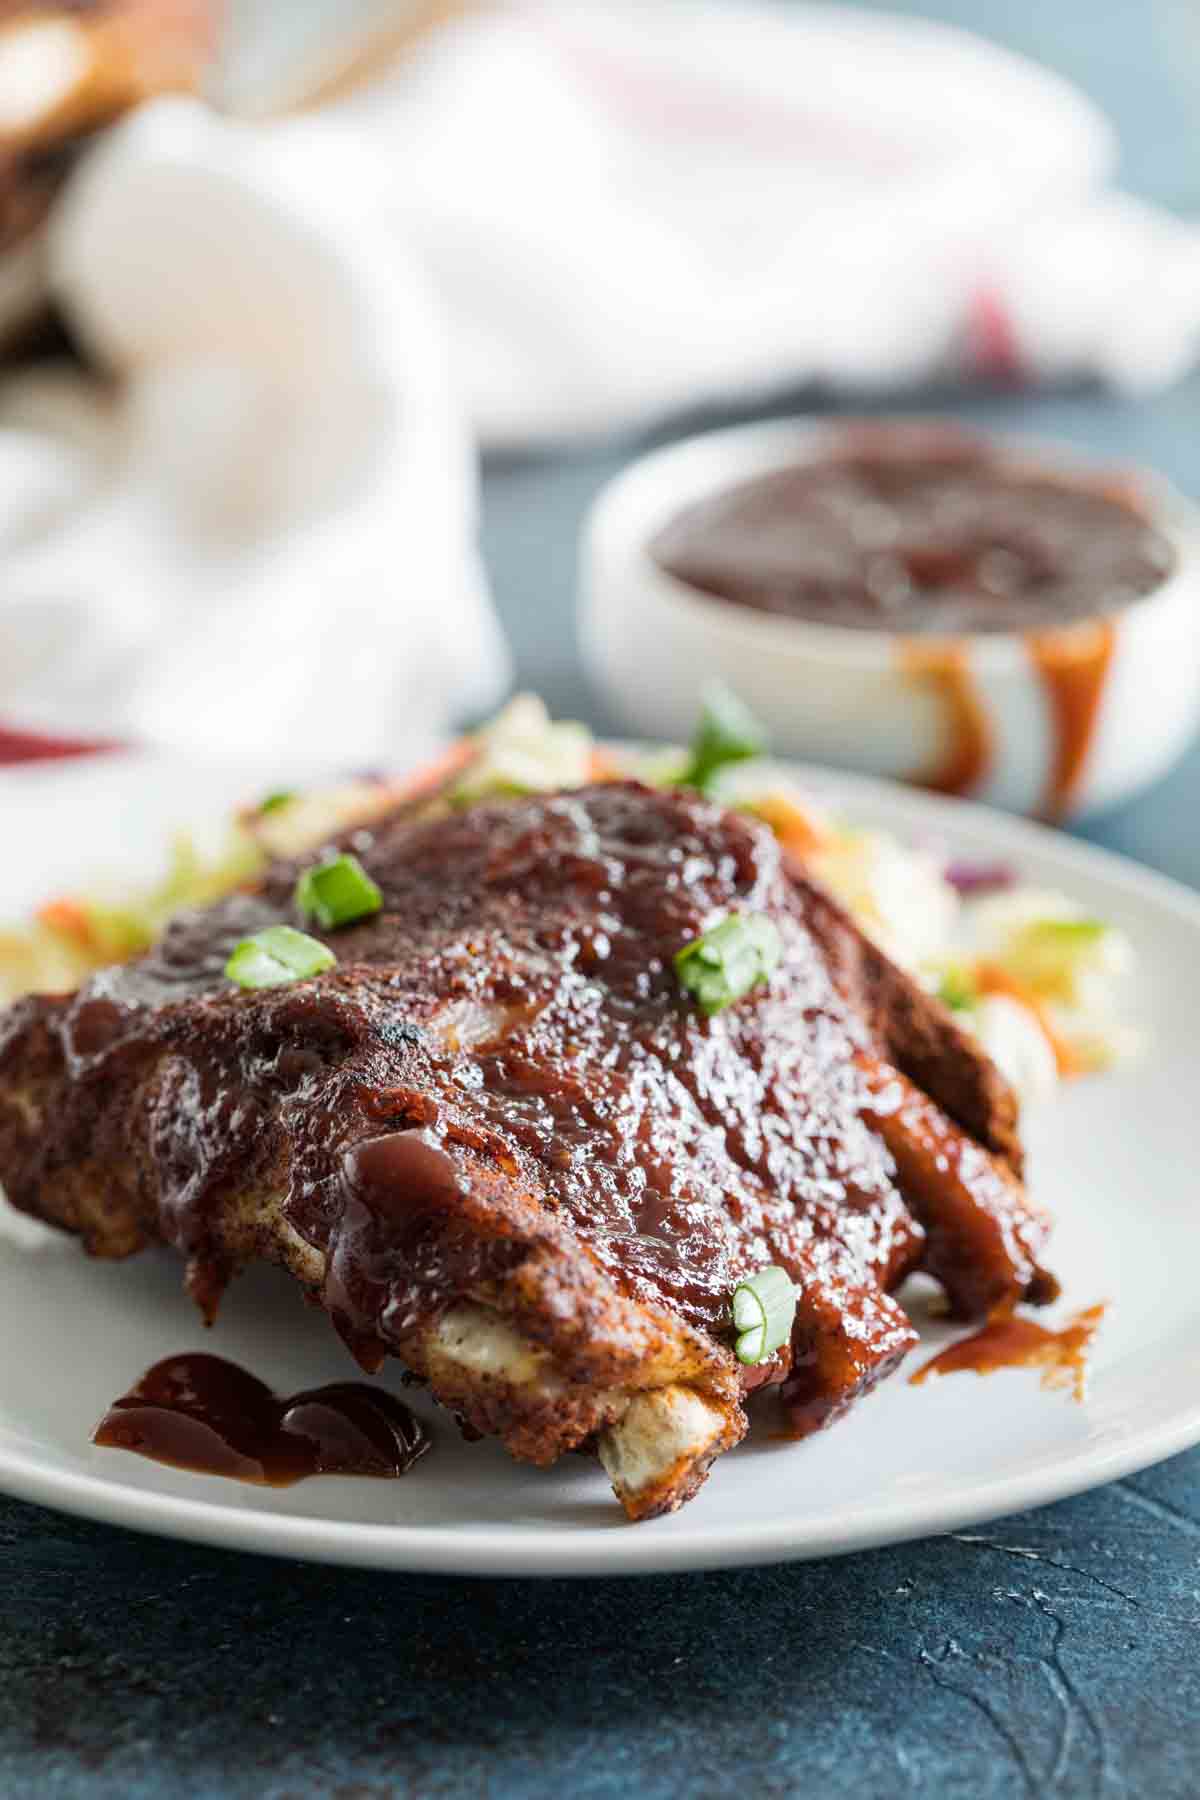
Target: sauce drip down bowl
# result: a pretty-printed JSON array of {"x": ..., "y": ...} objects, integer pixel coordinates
[{"x": 1055, "y": 717}]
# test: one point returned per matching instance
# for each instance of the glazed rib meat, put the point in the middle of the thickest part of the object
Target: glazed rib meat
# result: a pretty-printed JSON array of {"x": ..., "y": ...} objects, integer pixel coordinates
[{"x": 500, "y": 1143}]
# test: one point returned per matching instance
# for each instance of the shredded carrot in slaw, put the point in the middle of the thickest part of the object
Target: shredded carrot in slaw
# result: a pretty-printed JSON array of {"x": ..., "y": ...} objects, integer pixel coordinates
[
  {"x": 795, "y": 828},
  {"x": 430, "y": 776},
  {"x": 602, "y": 767},
  {"x": 990, "y": 978},
  {"x": 69, "y": 919}
]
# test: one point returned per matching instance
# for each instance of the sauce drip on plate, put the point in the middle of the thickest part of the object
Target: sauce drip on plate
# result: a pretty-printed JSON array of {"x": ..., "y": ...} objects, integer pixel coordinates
[
  {"x": 203, "y": 1413},
  {"x": 1010, "y": 1342}
]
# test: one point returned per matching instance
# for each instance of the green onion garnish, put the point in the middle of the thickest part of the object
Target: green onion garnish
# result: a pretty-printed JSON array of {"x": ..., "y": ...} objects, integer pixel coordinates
[
  {"x": 275, "y": 802},
  {"x": 731, "y": 958},
  {"x": 727, "y": 732},
  {"x": 275, "y": 956},
  {"x": 957, "y": 991},
  {"x": 764, "y": 1306},
  {"x": 337, "y": 892}
]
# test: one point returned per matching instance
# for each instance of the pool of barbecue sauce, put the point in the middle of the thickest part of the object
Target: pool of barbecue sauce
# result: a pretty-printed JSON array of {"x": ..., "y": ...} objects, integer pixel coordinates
[
  {"x": 202, "y": 1413},
  {"x": 1010, "y": 1342},
  {"x": 208, "y": 1415},
  {"x": 933, "y": 539}
]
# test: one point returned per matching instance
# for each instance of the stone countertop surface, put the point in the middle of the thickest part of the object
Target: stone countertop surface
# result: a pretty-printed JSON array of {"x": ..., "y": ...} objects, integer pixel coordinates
[{"x": 1051, "y": 1654}]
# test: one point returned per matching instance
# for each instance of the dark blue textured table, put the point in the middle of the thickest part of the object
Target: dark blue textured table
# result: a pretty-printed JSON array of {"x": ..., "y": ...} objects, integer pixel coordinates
[{"x": 1052, "y": 1654}]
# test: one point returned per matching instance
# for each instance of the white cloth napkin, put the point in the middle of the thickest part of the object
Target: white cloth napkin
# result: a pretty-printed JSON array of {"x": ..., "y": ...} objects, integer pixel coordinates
[
  {"x": 260, "y": 536},
  {"x": 631, "y": 207}
]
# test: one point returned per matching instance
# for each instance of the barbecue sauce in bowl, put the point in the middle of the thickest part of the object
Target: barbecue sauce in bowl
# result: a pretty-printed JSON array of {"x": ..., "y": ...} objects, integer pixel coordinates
[
  {"x": 927, "y": 536},
  {"x": 202, "y": 1413},
  {"x": 937, "y": 538}
]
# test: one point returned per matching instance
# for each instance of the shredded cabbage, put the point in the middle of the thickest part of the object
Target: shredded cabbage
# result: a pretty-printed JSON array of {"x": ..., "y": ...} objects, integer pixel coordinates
[
  {"x": 524, "y": 751},
  {"x": 1053, "y": 955}
]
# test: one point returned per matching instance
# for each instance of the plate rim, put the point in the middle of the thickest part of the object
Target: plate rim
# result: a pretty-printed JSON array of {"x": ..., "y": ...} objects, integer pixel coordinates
[
  {"x": 592, "y": 1551},
  {"x": 663, "y": 1547}
]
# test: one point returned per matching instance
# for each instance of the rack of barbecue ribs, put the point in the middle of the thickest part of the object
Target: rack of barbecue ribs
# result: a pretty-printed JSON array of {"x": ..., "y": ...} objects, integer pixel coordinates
[{"x": 499, "y": 1139}]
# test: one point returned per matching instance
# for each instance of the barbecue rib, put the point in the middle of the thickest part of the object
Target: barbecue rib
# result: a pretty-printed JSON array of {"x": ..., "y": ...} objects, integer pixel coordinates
[{"x": 498, "y": 1141}]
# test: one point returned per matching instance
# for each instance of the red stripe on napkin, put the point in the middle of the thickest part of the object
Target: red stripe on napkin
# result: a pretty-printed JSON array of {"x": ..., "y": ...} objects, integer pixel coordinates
[
  {"x": 993, "y": 347},
  {"x": 29, "y": 747}
]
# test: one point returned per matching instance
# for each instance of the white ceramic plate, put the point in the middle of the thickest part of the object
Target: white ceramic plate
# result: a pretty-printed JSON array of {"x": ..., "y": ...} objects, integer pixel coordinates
[{"x": 1114, "y": 1158}]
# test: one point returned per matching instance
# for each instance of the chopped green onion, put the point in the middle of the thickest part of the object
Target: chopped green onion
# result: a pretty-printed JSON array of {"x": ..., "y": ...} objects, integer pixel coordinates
[
  {"x": 764, "y": 1306},
  {"x": 957, "y": 990},
  {"x": 275, "y": 956},
  {"x": 337, "y": 892},
  {"x": 732, "y": 957},
  {"x": 275, "y": 802},
  {"x": 727, "y": 732}
]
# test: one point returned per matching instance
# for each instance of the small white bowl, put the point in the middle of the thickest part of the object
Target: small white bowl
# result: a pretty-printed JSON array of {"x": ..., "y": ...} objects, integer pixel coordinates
[{"x": 985, "y": 714}]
